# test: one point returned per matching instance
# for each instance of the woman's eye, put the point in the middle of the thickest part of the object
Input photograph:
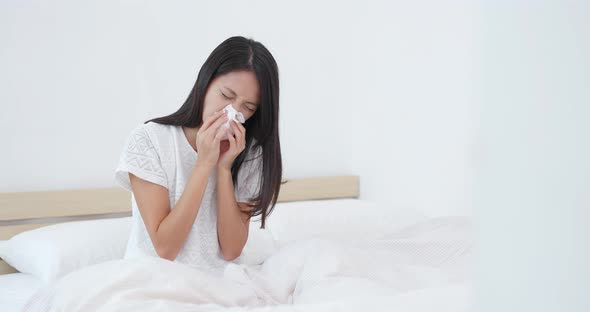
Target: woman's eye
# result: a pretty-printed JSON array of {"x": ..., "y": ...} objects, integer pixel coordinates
[{"x": 225, "y": 96}]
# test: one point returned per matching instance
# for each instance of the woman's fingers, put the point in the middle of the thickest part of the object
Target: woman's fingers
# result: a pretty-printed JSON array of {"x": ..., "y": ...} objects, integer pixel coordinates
[
  {"x": 213, "y": 130},
  {"x": 210, "y": 120},
  {"x": 232, "y": 140},
  {"x": 239, "y": 134},
  {"x": 238, "y": 128}
]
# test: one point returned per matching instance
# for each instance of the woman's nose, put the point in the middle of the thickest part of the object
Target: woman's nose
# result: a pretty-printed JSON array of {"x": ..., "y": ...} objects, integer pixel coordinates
[{"x": 236, "y": 106}]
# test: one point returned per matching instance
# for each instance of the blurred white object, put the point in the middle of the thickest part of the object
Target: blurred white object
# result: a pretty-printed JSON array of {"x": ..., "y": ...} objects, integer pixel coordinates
[
  {"x": 17, "y": 289},
  {"x": 259, "y": 246},
  {"x": 52, "y": 251},
  {"x": 421, "y": 267},
  {"x": 232, "y": 114}
]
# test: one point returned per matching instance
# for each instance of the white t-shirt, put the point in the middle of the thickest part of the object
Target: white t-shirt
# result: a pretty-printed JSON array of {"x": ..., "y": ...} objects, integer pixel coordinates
[{"x": 161, "y": 154}]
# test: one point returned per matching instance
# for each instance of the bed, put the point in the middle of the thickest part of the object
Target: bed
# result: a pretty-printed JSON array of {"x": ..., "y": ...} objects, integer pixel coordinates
[{"x": 323, "y": 249}]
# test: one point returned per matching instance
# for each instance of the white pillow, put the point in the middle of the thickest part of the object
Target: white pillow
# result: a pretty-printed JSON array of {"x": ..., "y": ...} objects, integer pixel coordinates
[
  {"x": 52, "y": 251},
  {"x": 342, "y": 219},
  {"x": 17, "y": 289},
  {"x": 259, "y": 246}
]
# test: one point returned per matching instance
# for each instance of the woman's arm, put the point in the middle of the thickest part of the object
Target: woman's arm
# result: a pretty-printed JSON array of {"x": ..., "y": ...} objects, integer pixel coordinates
[
  {"x": 169, "y": 228},
  {"x": 233, "y": 219}
]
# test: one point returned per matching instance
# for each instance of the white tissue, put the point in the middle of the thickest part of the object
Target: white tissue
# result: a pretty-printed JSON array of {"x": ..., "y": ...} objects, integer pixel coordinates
[{"x": 232, "y": 114}]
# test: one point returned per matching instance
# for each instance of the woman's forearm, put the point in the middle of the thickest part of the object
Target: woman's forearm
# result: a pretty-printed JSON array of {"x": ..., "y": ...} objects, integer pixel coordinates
[
  {"x": 231, "y": 230},
  {"x": 175, "y": 228}
]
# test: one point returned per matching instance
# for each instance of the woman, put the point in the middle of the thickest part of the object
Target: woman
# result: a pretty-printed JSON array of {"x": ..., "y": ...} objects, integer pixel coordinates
[{"x": 194, "y": 184}]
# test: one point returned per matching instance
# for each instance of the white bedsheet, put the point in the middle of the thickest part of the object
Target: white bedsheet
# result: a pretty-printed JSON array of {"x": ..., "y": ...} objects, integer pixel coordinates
[
  {"x": 424, "y": 267},
  {"x": 16, "y": 289}
]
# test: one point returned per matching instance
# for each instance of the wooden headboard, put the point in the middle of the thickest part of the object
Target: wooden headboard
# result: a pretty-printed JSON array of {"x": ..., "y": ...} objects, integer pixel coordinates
[{"x": 22, "y": 211}]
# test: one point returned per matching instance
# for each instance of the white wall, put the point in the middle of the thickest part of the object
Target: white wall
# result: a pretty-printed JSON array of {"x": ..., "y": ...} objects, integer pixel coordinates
[
  {"x": 413, "y": 103},
  {"x": 532, "y": 182},
  {"x": 77, "y": 77}
]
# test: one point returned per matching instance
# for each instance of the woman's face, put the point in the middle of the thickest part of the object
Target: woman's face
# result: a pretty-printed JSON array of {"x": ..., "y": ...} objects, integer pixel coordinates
[{"x": 238, "y": 88}]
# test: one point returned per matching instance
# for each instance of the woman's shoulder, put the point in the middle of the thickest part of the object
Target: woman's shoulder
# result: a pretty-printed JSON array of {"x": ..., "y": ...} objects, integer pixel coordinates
[
  {"x": 151, "y": 134},
  {"x": 147, "y": 128},
  {"x": 152, "y": 130},
  {"x": 157, "y": 128}
]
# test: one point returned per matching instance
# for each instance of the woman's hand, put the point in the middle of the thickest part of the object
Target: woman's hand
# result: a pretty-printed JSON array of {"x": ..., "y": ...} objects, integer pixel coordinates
[
  {"x": 236, "y": 145},
  {"x": 207, "y": 140}
]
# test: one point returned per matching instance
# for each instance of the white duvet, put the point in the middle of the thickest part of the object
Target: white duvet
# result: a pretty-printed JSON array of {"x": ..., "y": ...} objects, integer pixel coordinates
[{"x": 423, "y": 267}]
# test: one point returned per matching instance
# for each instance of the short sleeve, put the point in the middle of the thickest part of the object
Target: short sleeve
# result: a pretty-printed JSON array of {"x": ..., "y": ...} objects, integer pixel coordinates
[
  {"x": 140, "y": 157},
  {"x": 249, "y": 180}
]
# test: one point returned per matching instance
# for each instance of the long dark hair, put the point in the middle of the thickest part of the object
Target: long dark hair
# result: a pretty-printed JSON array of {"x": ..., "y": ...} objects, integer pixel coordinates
[{"x": 262, "y": 128}]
